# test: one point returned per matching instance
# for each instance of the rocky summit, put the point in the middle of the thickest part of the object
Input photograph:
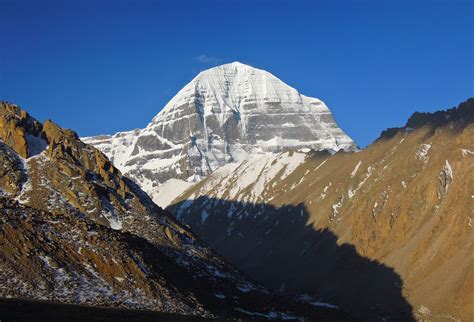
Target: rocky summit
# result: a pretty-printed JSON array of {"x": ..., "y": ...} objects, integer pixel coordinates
[
  {"x": 224, "y": 115},
  {"x": 386, "y": 233},
  {"x": 74, "y": 230}
]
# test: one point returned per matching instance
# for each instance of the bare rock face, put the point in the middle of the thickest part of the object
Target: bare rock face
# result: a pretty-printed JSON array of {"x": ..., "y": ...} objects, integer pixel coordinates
[
  {"x": 73, "y": 229},
  {"x": 226, "y": 114},
  {"x": 15, "y": 126},
  {"x": 11, "y": 170},
  {"x": 385, "y": 233}
]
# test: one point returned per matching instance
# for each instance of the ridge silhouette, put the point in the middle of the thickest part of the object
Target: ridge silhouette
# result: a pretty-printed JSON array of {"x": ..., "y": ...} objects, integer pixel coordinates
[{"x": 278, "y": 248}]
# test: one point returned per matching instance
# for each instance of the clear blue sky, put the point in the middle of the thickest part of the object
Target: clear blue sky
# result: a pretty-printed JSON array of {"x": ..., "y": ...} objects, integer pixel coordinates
[{"x": 106, "y": 66}]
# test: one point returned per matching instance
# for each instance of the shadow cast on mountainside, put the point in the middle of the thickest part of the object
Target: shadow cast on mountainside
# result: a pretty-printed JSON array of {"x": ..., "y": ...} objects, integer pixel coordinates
[{"x": 277, "y": 247}]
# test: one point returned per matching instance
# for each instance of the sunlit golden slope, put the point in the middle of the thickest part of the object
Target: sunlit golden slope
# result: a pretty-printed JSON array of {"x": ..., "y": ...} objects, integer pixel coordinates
[{"x": 376, "y": 232}]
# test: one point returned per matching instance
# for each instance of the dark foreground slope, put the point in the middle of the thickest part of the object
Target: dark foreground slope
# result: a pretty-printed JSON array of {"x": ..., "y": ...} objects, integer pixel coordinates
[
  {"x": 74, "y": 230},
  {"x": 13, "y": 310},
  {"x": 387, "y": 232}
]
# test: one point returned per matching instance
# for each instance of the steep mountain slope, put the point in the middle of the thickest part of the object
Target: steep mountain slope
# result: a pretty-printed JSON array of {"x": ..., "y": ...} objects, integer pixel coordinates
[
  {"x": 226, "y": 114},
  {"x": 74, "y": 230},
  {"x": 376, "y": 232}
]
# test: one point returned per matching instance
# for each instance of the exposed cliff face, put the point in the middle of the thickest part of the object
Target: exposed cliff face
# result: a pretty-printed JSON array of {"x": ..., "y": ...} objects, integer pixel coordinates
[
  {"x": 17, "y": 127},
  {"x": 334, "y": 226},
  {"x": 11, "y": 170},
  {"x": 226, "y": 114},
  {"x": 74, "y": 230}
]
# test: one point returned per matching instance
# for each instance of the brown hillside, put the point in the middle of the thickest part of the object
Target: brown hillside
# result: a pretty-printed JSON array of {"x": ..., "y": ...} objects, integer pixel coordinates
[{"x": 405, "y": 204}]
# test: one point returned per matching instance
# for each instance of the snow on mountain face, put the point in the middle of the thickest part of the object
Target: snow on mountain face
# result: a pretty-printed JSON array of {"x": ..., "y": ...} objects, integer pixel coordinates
[
  {"x": 248, "y": 181},
  {"x": 226, "y": 114}
]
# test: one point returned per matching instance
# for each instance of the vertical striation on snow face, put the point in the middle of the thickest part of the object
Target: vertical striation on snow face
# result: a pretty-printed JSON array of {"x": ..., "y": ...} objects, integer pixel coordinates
[{"x": 225, "y": 114}]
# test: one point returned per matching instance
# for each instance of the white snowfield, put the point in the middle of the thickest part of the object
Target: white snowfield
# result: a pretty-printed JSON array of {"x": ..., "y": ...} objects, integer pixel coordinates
[
  {"x": 226, "y": 114},
  {"x": 248, "y": 180}
]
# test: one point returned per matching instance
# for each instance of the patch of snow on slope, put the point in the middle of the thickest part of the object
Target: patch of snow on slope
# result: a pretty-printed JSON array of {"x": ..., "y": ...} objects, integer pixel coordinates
[
  {"x": 253, "y": 176},
  {"x": 285, "y": 164},
  {"x": 220, "y": 296},
  {"x": 110, "y": 214},
  {"x": 367, "y": 176},
  {"x": 337, "y": 206},
  {"x": 310, "y": 300},
  {"x": 272, "y": 315},
  {"x": 422, "y": 153},
  {"x": 204, "y": 216},
  {"x": 169, "y": 191},
  {"x": 448, "y": 170},
  {"x": 424, "y": 310},
  {"x": 26, "y": 187},
  {"x": 115, "y": 223},
  {"x": 320, "y": 165},
  {"x": 325, "y": 190},
  {"x": 36, "y": 144},
  {"x": 355, "y": 169},
  {"x": 351, "y": 193}
]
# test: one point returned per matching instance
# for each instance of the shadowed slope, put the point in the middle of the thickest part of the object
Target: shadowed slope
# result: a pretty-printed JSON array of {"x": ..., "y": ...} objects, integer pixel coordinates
[
  {"x": 40, "y": 311},
  {"x": 281, "y": 250}
]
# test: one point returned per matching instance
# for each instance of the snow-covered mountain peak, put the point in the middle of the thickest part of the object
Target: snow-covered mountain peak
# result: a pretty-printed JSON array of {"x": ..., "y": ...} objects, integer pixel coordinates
[
  {"x": 231, "y": 87},
  {"x": 235, "y": 66},
  {"x": 226, "y": 114}
]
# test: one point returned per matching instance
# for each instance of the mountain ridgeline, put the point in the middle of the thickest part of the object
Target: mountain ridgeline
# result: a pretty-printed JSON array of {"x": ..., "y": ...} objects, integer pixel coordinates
[
  {"x": 74, "y": 230},
  {"x": 385, "y": 233}
]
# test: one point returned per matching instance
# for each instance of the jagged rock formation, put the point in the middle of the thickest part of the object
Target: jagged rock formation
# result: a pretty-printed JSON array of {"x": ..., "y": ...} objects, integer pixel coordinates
[
  {"x": 376, "y": 232},
  {"x": 74, "y": 230},
  {"x": 16, "y": 127},
  {"x": 226, "y": 114}
]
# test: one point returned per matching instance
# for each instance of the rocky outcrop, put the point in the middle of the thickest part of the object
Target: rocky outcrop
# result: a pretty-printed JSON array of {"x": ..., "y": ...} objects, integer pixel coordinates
[
  {"x": 463, "y": 114},
  {"x": 64, "y": 171},
  {"x": 12, "y": 174},
  {"x": 459, "y": 117},
  {"x": 15, "y": 126}
]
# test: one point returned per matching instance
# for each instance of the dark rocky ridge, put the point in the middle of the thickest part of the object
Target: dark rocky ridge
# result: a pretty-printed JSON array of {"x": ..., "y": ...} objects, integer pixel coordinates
[{"x": 461, "y": 116}]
